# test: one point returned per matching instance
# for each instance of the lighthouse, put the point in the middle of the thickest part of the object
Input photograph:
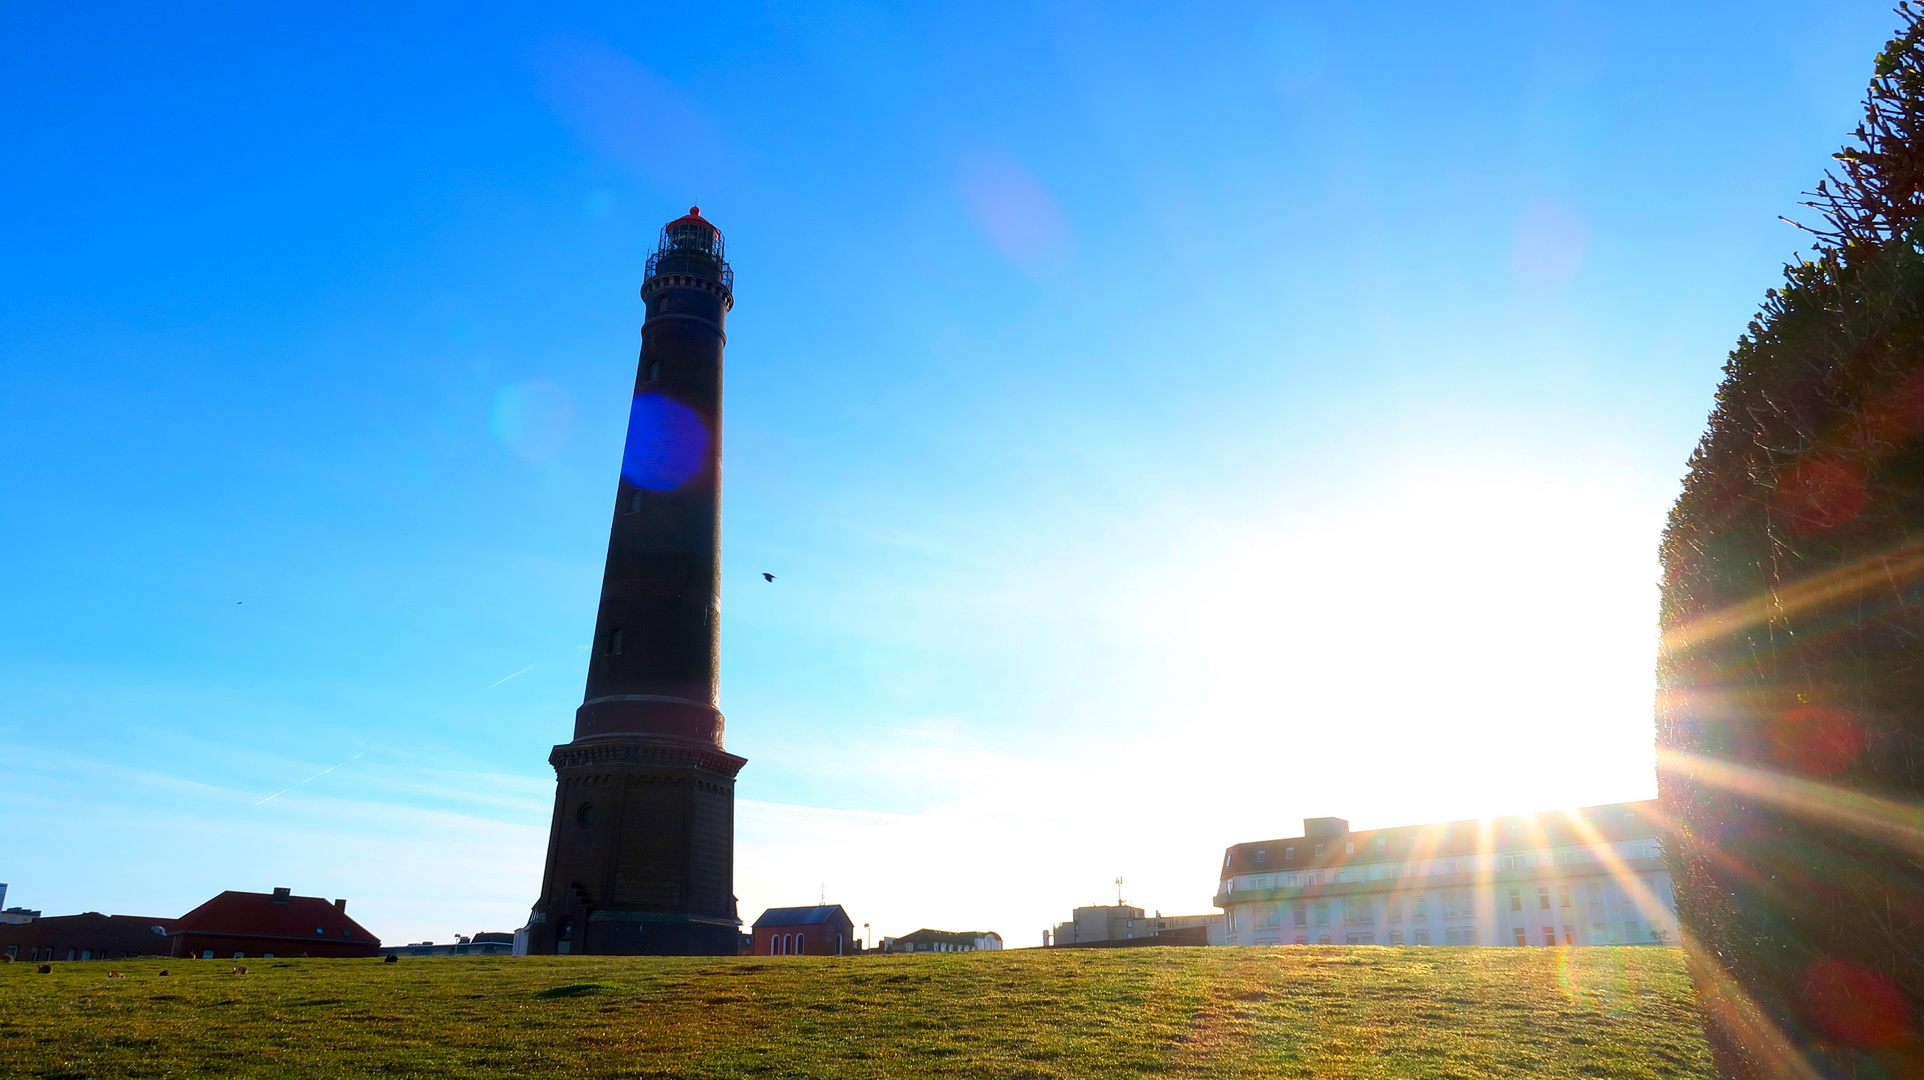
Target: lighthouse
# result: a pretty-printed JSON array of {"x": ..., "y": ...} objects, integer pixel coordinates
[{"x": 641, "y": 849}]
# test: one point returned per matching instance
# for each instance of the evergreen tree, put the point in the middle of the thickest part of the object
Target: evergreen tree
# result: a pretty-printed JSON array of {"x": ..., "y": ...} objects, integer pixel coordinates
[{"x": 1791, "y": 704}]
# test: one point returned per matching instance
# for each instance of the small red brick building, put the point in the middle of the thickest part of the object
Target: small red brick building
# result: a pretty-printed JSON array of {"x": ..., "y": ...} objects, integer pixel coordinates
[
  {"x": 237, "y": 924},
  {"x": 804, "y": 931},
  {"x": 88, "y": 936}
]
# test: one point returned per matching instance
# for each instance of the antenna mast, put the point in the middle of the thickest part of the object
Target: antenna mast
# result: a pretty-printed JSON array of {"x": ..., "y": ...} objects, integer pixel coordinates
[{"x": 1118, "y": 892}]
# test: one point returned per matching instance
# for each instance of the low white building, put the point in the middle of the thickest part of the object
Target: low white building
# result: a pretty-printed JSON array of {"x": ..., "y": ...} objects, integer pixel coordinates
[
  {"x": 1594, "y": 876},
  {"x": 926, "y": 940}
]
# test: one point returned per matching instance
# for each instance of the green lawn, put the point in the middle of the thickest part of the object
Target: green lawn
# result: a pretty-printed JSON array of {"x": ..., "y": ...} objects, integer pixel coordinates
[{"x": 1248, "y": 1013}]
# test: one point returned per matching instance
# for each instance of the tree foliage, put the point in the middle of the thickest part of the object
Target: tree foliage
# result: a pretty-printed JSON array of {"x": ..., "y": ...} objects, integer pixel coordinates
[{"x": 1791, "y": 703}]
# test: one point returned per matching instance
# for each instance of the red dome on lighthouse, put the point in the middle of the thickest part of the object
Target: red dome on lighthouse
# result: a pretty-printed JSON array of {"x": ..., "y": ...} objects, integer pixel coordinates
[{"x": 692, "y": 217}]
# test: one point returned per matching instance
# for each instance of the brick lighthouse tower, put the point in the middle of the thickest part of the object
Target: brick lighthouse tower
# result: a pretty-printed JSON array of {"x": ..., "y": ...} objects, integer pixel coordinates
[{"x": 641, "y": 851}]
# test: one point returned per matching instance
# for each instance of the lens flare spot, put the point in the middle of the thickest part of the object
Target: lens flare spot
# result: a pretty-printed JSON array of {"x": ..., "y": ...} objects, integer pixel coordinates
[
  {"x": 1855, "y": 1003},
  {"x": 1815, "y": 739},
  {"x": 1821, "y": 493},
  {"x": 532, "y": 418},
  {"x": 1016, "y": 212},
  {"x": 667, "y": 444},
  {"x": 1551, "y": 239}
]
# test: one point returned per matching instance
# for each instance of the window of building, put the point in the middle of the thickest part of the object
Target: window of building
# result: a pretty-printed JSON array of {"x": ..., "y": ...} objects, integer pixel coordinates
[
  {"x": 1356, "y": 909},
  {"x": 1393, "y": 910},
  {"x": 1422, "y": 937},
  {"x": 1300, "y": 909},
  {"x": 1543, "y": 897},
  {"x": 653, "y": 371},
  {"x": 1563, "y": 896},
  {"x": 1549, "y": 935},
  {"x": 1382, "y": 843},
  {"x": 1630, "y": 929},
  {"x": 1302, "y": 939},
  {"x": 1420, "y": 909},
  {"x": 1396, "y": 937},
  {"x": 1225, "y": 862},
  {"x": 1359, "y": 939},
  {"x": 1596, "y": 894},
  {"x": 1521, "y": 937},
  {"x": 240, "y": 956},
  {"x": 1289, "y": 854},
  {"x": 1516, "y": 899},
  {"x": 1322, "y": 913},
  {"x": 1319, "y": 851},
  {"x": 1598, "y": 928},
  {"x": 614, "y": 642},
  {"x": 1322, "y": 939},
  {"x": 1262, "y": 854},
  {"x": 1349, "y": 847},
  {"x": 207, "y": 954},
  {"x": 1569, "y": 934},
  {"x": 1515, "y": 862}
]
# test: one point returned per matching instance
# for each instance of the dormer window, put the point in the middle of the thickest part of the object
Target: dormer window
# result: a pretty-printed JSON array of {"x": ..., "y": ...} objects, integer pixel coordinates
[
  {"x": 1262, "y": 854},
  {"x": 1289, "y": 854},
  {"x": 1319, "y": 851}
]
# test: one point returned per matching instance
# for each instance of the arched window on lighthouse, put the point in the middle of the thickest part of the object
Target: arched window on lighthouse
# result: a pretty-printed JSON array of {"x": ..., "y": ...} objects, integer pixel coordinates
[
  {"x": 614, "y": 642},
  {"x": 652, "y": 372}
]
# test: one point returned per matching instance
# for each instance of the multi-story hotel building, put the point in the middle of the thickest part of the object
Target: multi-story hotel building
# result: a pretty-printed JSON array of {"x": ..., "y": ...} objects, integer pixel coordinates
[{"x": 1594, "y": 876}]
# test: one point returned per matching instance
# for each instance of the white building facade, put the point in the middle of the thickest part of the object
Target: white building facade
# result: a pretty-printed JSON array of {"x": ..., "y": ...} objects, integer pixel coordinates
[{"x": 1594, "y": 876}]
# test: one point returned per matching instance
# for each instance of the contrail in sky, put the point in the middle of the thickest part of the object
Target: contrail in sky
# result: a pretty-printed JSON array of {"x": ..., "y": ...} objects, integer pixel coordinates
[
  {"x": 505, "y": 678},
  {"x": 331, "y": 768},
  {"x": 323, "y": 772}
]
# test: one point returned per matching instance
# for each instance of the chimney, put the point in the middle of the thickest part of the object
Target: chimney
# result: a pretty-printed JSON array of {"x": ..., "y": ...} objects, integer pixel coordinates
[
  {"x": 340, "y": 906},
  {"x": 1325, "y": 826},
  {"x": 283, "y": 896}
]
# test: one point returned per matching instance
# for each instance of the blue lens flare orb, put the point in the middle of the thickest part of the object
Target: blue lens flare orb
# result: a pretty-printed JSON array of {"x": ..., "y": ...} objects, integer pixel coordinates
[{"x": 667, "y": 444}]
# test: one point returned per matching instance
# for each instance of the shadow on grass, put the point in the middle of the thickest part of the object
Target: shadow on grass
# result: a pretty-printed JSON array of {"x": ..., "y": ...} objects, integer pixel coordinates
[{"x": 578, "y": 989}]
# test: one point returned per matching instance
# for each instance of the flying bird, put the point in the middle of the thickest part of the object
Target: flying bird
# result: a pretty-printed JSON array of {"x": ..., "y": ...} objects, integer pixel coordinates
[{"x": 766, "y": 576}]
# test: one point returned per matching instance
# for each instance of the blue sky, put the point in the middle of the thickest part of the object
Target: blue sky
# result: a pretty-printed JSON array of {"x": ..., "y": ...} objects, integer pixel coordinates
[{"x": 1164, "y": 423}]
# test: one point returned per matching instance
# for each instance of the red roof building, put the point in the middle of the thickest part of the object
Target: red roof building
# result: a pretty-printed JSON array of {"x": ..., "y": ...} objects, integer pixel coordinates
[
  {"x": 87, "y": 936},
  {"x": 241, "y": 924},
  {"x": 825, "y": 930}
]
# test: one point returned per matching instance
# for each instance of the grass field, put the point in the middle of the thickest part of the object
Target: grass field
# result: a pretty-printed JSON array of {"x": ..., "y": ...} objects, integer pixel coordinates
[{"x": 1247, "y": 1013}]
